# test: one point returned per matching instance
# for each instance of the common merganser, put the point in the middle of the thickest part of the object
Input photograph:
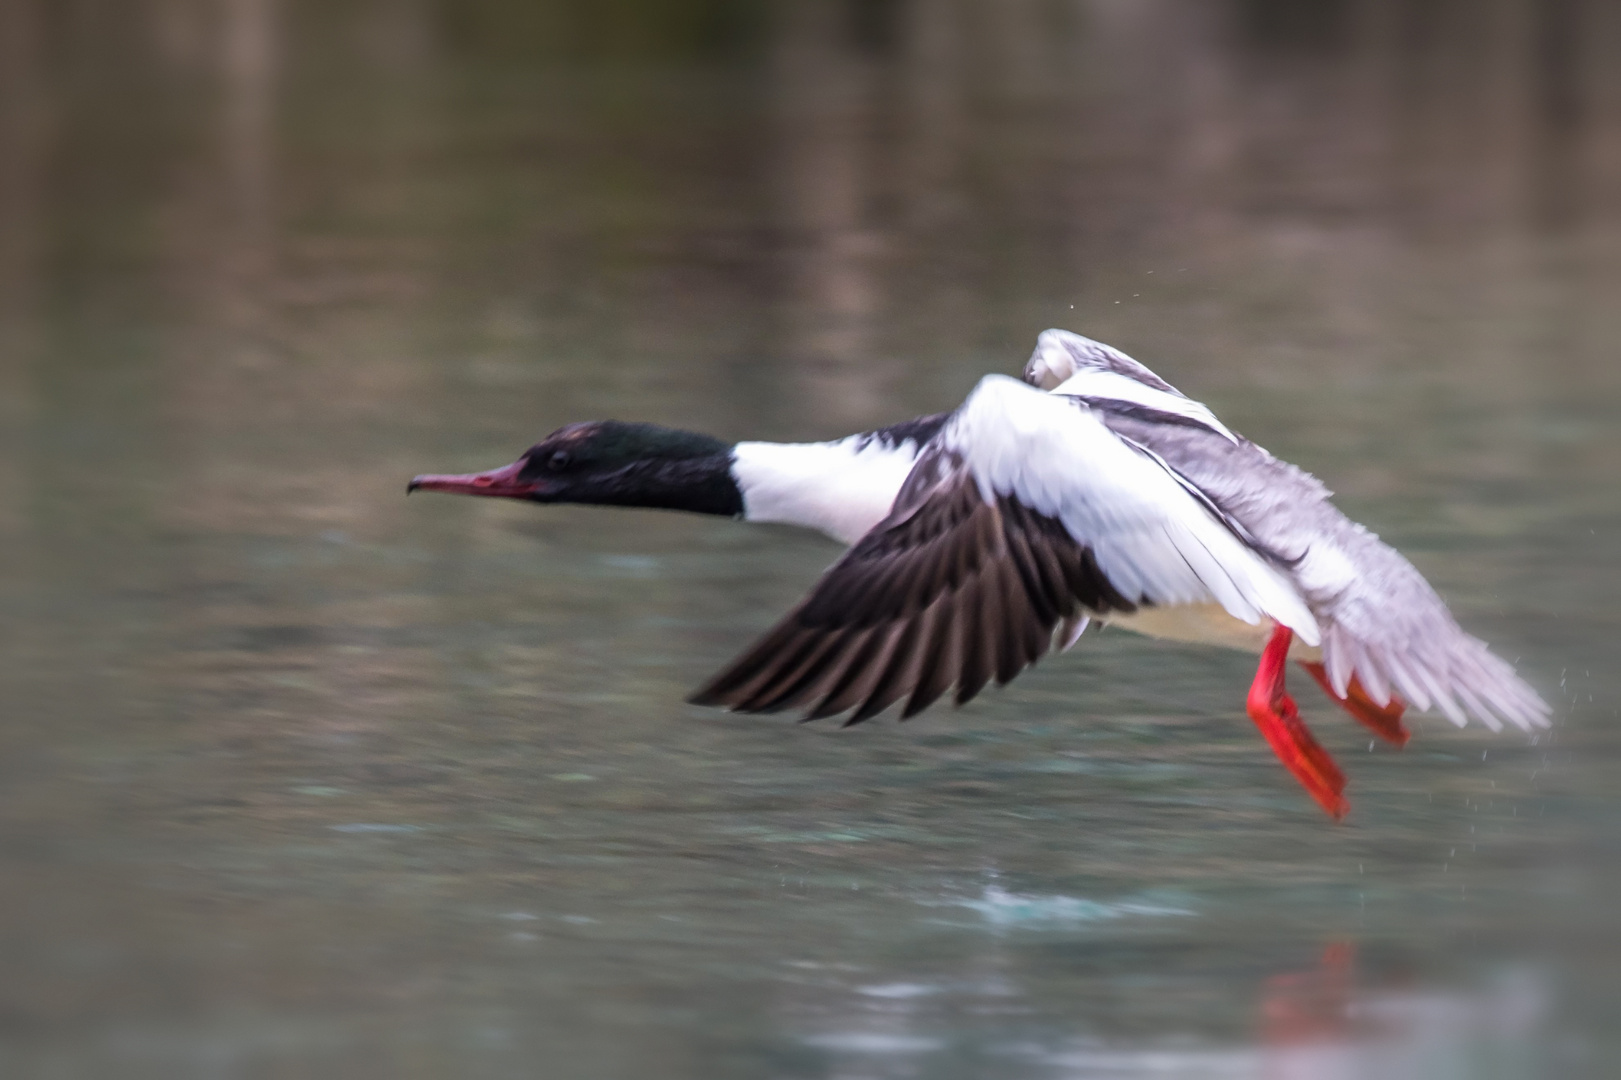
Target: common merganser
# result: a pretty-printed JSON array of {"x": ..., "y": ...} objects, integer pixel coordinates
[{"x": 1093, "y": 489}]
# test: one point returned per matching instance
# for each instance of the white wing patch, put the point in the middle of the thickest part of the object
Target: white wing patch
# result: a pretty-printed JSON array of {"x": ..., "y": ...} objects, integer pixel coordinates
[
  {"x": 1116, "y": 387},
  {"x": 1153, "y": 540}
]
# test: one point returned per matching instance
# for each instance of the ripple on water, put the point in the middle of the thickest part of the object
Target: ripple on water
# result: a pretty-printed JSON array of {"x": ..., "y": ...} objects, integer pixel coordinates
[
  {"x": 861, "y": 1042},
  {"x": 898, "y": 991},
  {"x": 1001, "y": 908}
]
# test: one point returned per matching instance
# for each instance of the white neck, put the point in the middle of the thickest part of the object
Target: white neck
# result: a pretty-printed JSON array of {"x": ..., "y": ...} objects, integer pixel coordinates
[{"x": 839, "y": 488}]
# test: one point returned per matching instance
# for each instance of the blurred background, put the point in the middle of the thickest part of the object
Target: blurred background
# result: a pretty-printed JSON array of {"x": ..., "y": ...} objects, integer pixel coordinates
[{"x": 298, "y": 778}]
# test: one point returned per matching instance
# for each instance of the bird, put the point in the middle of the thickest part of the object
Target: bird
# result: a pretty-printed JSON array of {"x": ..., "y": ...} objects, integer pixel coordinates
[{"x": 978, "y": 540}]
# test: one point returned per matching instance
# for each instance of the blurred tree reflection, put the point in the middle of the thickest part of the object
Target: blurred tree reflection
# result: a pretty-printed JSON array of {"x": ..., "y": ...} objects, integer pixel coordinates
[
  {"x": 623, "y": 30},
  {"x": 900, "y": 177}
]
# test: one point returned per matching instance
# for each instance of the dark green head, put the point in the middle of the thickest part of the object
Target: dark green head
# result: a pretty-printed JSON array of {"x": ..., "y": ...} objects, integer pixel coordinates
[{"x": 611, "y": 463}]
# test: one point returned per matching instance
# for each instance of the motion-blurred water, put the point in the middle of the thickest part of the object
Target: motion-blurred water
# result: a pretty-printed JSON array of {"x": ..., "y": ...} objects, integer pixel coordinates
[{"x": 298, "y": 777}]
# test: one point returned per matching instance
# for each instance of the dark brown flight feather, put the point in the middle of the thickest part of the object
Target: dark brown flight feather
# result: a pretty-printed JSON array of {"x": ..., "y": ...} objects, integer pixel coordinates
[{"x": 947, "y": 591}]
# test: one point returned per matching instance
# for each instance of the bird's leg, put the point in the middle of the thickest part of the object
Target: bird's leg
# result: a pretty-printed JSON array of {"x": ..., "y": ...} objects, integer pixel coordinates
[
  {"x": 1382, "y": 720},
  {"x": 1274, "y": 712}
]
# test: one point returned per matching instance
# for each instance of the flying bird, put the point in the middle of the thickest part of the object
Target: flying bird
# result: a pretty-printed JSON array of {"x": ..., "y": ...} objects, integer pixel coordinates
[{"x": 1090, "y": 490}]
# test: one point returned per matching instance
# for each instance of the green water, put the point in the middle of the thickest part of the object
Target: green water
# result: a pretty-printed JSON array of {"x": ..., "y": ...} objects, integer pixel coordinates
[{"x": 299, "y": 777}]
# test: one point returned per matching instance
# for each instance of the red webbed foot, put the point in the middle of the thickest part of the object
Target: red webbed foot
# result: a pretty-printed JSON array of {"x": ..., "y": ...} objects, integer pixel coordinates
[
  {"x": 1383, "y": 720},
  {"x": 1274, "y": 712}
]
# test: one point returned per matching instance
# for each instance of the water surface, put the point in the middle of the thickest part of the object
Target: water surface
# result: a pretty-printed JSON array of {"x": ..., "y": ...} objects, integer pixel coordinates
[{"x": 298, "y": 777}]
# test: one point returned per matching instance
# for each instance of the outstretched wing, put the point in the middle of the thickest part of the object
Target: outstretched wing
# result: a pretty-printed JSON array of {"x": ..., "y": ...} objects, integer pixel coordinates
[
  {"x": 1024, "y": 513},
  {"x": 1381, "y": 621}
]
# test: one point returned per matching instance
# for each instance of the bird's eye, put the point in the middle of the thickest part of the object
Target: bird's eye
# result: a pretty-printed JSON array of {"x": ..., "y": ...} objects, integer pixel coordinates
[{"x": 558, "y": 461}]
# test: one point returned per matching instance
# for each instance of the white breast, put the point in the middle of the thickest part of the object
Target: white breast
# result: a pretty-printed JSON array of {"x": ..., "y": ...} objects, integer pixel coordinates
[{"x": 1205, "y": 624}]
